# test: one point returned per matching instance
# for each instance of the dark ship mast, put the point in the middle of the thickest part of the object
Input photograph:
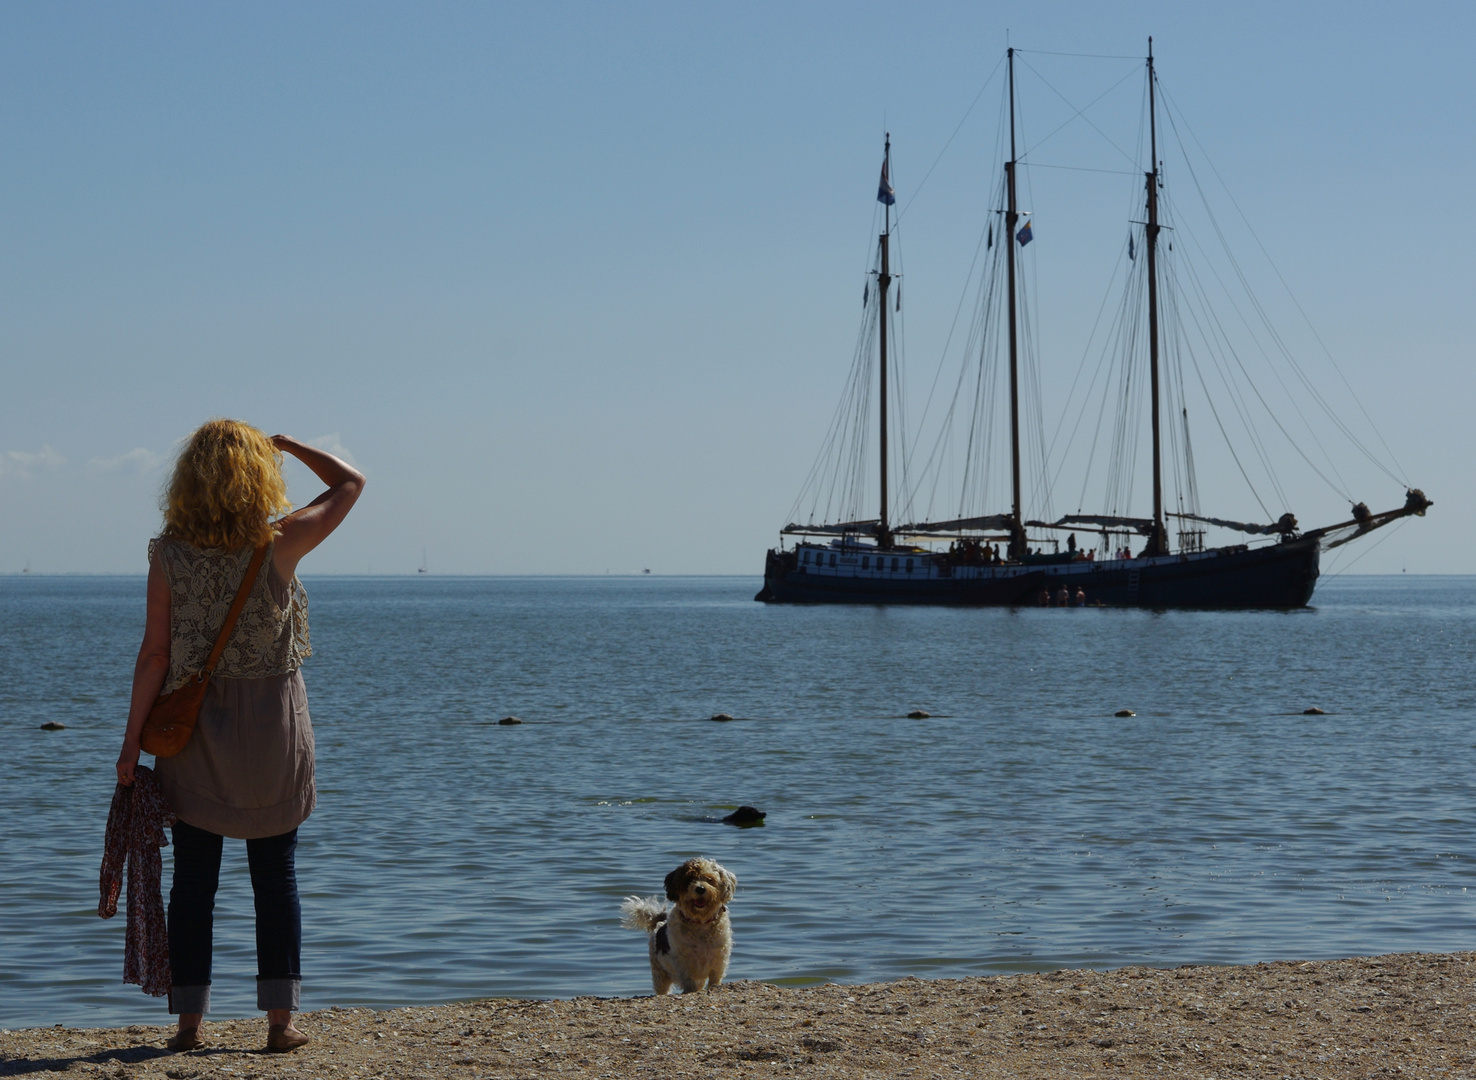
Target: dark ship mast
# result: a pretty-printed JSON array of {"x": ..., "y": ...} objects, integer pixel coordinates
[
  {"x": 883, "y": 281},
  {"x": 1017, "y": 548},
  {"x": 1158, "y": 541}
]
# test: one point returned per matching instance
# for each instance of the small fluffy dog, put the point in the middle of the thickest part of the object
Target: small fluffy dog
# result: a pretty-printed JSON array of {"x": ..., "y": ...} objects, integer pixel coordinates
[{"x": 690, "y": 944}]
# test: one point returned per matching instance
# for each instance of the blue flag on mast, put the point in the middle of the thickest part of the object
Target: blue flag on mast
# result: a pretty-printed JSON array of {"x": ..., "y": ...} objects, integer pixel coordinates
[
  {"x": 1025, "y": 235},
  {"x": 884, "y": 192}
]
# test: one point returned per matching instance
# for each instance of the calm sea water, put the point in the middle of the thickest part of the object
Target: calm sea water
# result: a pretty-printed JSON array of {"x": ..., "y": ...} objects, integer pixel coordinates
[{"x": 1022, "y": 827}]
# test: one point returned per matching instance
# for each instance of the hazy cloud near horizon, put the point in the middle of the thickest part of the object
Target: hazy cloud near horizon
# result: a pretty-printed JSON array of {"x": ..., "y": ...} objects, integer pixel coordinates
[
  {"x": 25, "y": 464},
  {"x": 139, "y": 459}
]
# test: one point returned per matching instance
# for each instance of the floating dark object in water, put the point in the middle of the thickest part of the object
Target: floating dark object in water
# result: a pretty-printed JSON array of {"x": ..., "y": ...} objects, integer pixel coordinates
[
  {"x": 1313, "y": 710},
  {"x": 1124, "y": 712},
  {"x": 53, "y": 725},
  {"x": 722, "y": 717},
  {"x": 918, "y": 714},
  {"x": 509, "y": 720},
  {"x": 745, "y": 817}
]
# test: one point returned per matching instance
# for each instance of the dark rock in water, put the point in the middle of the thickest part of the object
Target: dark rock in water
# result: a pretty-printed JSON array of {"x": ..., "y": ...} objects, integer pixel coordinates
[
  {"x": 1124, "y": 712},
  {"x": 53, "y": 725},
  {"x": 1313, "y": 710},
  {"x": 508, "y": 720},
  {"x": 745, "y": 817},
  {"x": 722, "y": 717},
  {"x": 918, "y": 714}
]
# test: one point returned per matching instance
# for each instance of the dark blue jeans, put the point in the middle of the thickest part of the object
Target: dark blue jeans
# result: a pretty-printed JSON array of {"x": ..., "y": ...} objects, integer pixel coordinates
[{"x": 192, "y": 918}]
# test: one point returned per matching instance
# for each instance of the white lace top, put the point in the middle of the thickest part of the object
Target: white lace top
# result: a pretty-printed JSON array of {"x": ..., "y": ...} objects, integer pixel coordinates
[{"x": 271, "y": 635}]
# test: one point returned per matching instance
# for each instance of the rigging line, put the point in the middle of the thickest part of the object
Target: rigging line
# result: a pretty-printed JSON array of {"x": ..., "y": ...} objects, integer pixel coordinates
[
  {"x": 1081, "y": 366},
  {"x": 1030, "y": 340},
  {"x": 945, "y": 429},
  {"x": 1276, "y": 338},
  {"x": 1232, "y": 352},
  {"x": 1078, "y": 168},
  {"x": 1128, "y": 415},
  {"x": 1222, "y": 351},
  {"x": 815, "y": 483},
  {"x": 1081, "y": 113},
  {"x": 1215, "y": 412},
  {"x": 963, "y": 294},
  {"x": 902, "y": 497},
  {"x": 1338, "y": 572},
  {"x": 1079, "y": 55},
  {"x": 983, "y": 342},
  {"x": 1178, "y": 425},
  {"x": 1298, "y": 305},
  {"x": 952, "y": 329},
  {"x": 1343, "y": 490},
  {"x": 837, "y": 451},
  {"x": 1106, "y": 364},
  {"x": 917, "y": 190}
]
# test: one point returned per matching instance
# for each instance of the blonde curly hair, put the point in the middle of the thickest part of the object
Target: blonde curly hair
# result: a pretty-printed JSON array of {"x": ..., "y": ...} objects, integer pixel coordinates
[{"x": 226, "y": 489}]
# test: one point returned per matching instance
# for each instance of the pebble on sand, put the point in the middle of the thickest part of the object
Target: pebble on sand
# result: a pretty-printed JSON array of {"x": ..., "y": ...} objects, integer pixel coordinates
[
  {"x": 53, "y": 725},
  {"x": 722, "y": 717},
  {"x": 918, "y": 714},
  {"x": 509, "y": 720},
  {"x": 1313, "y": 710},
  {"x": 1124, "y": 712}
]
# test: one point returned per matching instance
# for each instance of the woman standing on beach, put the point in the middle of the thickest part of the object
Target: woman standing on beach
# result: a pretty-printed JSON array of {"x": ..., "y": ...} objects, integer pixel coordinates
[{"x": 247, "y": 771}]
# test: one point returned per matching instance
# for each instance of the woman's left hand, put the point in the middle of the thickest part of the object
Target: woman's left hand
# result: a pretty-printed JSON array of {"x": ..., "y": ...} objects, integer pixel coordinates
[{"x": 127, "y": 762}]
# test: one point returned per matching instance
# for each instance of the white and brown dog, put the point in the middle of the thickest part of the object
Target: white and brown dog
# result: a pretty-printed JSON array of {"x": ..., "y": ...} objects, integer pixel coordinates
[{"x": 690, "y": 944}]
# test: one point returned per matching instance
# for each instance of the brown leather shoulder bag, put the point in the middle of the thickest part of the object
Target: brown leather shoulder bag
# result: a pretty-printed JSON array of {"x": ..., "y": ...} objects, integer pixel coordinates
[{"x": 172, "y": 719}]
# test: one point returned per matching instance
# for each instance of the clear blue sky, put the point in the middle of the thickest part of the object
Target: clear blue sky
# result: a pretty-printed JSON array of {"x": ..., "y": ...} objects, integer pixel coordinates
[{"x": 577, "y": 284}]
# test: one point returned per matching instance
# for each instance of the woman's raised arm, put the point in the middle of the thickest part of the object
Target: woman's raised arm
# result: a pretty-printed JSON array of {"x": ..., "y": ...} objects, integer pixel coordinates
[{"x": 304, "y": 529}]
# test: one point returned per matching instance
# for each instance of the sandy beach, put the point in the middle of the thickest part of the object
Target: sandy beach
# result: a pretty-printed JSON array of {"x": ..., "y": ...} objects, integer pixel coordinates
[{"x": 1397, "y": 1015}]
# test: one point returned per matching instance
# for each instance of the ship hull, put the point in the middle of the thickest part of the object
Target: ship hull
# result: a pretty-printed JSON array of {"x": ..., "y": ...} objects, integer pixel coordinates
[{"x": 1277, "y": 576}]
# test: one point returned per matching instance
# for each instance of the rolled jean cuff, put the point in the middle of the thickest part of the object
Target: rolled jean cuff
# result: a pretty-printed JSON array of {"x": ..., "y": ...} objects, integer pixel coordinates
[
  {"x": 189, "y": 999},
  {"x": 278, "y": 993}
]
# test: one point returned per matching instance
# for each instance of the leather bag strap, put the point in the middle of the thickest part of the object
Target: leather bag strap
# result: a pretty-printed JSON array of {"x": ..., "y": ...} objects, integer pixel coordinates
[{"x": 252, "y": 569}]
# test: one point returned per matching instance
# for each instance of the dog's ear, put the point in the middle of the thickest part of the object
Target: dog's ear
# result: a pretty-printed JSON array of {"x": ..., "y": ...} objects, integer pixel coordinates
[
  {"x": 677, "y": 881},
  {"x": 730, "y": 884}
]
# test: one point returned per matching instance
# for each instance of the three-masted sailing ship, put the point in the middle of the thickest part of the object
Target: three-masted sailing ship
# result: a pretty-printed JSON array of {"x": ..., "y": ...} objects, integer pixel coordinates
[{"x": 992, "y": 559}]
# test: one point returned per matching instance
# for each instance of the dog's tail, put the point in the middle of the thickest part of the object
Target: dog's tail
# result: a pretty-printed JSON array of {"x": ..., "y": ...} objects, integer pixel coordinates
[{"x": 643, "y": 913}]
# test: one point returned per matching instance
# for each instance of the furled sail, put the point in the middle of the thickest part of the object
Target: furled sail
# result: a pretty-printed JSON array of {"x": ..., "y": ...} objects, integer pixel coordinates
[
  {"x": 1285, "y": 525},
  {"x": 923, "y": 528},
  {"x": 1143, "y": 526},
  {"x": 842, "y": 528}
]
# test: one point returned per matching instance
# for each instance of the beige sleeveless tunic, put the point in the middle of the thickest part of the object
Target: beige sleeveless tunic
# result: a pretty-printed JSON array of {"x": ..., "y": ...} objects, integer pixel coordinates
[{"x": 247, "y": 771}]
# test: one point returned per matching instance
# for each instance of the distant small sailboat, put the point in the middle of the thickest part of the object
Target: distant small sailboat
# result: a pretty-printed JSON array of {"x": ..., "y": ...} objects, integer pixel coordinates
[{"x": 423, "y": 567}]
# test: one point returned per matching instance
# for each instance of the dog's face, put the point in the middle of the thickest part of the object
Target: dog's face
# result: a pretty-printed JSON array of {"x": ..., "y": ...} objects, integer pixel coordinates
[{"x": 700, "y": 888}]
